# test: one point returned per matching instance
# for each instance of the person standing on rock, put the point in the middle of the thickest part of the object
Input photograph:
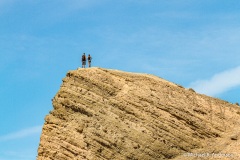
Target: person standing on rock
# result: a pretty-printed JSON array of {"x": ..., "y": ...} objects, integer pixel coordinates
[
  {"x": 89, "y": 60},
  {"x": 83, "y": 60}
]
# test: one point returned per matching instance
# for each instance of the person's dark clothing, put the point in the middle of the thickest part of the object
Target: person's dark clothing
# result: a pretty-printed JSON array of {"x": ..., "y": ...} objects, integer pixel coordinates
[
  {"x": 89, "y": 60},
  {"x": 83, "y": 60}
]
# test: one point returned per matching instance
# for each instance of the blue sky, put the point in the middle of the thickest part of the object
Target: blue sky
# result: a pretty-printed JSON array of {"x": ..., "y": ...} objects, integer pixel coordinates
[{"x": 189, "y": 42}]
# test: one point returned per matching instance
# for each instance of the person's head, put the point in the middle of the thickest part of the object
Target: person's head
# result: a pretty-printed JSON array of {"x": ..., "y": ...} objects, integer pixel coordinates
[
  {"x": 83, "y": 53},
  {"x": 89, "y": 55}
]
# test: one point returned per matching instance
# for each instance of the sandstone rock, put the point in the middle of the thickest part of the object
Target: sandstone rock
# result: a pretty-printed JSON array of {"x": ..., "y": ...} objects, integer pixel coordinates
[
  {"x": 103, "y": 114},
  {"x": 234, "y": 137}
]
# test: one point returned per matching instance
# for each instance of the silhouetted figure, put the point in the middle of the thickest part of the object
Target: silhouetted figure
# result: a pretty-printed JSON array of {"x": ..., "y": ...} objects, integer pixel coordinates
[
  {"x": 89, "y": 60},
  {"x": 83, "y": 60}
]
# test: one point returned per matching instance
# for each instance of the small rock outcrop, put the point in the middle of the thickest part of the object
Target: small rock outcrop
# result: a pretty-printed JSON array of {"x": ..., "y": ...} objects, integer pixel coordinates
[{"x": 103, "y": 114}]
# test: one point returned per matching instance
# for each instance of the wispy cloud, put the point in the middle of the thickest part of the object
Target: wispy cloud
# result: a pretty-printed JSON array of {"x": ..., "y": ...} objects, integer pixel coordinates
[
  {"x": 219, "y": 83},
  {"x": 21, "y": 134}
]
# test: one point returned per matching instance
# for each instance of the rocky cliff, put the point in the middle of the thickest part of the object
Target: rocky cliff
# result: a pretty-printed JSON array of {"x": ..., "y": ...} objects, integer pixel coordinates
[{"x": 102, "y": 114}]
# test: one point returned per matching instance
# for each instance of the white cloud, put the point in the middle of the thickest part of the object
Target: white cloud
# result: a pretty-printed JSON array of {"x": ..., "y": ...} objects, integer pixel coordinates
[
  {"x": 219, "y": 83},
  {"x": 21, "y": 134}
]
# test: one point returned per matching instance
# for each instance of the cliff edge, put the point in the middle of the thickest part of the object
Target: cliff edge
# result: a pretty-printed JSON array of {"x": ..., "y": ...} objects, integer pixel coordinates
[{"x": 103, "y": 114}]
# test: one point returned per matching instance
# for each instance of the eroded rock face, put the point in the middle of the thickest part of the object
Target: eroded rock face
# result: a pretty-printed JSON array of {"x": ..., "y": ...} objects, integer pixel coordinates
[{"x": 108, "y": 114}]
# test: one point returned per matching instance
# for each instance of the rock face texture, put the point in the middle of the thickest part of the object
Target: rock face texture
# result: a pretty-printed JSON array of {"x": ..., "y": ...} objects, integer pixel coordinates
[{"x": 102, "y": 114}]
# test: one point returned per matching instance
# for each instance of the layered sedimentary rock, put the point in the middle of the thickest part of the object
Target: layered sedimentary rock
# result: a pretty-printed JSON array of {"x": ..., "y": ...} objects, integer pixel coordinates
[{"x": 102, "y": 114}]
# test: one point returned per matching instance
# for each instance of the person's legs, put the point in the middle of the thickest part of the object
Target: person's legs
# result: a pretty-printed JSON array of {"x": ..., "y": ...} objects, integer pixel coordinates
[
  {"x": 83, "y": 65},
  {"x": 89, "y": 63}
]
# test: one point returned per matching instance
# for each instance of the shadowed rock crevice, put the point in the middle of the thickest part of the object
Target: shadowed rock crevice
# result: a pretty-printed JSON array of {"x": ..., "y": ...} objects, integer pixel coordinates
[{"x": 109, "y": 114}]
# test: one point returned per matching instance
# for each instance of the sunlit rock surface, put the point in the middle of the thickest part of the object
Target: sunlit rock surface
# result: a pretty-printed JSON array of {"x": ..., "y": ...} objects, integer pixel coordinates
[{"x": 103, "y": 114}]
